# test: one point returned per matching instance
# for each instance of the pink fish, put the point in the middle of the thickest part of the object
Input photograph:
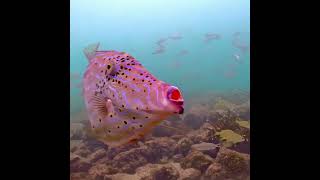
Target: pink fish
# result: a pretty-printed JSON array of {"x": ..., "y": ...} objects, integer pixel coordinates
[{"x": 123, "y": 100}]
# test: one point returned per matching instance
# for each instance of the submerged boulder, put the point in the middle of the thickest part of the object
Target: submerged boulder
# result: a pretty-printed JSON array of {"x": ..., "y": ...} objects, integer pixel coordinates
[
  {"x": 78, "y": 164},
  {"x": 197, "y": 160},
  {"x": 234, "y": 162}
]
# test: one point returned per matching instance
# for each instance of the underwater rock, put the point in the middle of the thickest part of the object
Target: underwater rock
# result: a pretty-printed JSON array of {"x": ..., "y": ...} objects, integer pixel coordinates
[
  {"x": 76, "y": 131},
  {"x": 183, "y": 146},
  {"x": 100, "y": 170},
  {"x": 122, "y": 176},
  {"x": 242, "y": 147},
  {"x": 234, "y": 162},
  {"x": 197, "y": 160},
  {"x": 79, "y": 176},
  {"x": 204, "y": 134},
  {"x": 159, "y": 147},
  {"x": 177, "y": 157},
  {"x": 207, "y": 148},
  {"x": 168, "y": 171},
  {"x": 79, "y": 148},
  {"x": 75, "y": 144},
  {"x": 112, "y": 152},
  {"x": 190, "y": 174},
  {"x": 128, "y": 161},
  {"x": 78, "y": 164},
  {"x": 214, "y": 171},
  {"x": 98, "y": 154}
]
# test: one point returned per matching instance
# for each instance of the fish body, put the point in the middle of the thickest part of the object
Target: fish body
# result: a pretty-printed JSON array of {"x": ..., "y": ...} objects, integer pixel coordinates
[{"x": 124, "y": 101}]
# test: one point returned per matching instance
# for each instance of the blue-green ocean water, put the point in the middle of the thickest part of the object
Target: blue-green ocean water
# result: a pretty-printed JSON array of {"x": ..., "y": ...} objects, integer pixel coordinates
[{"x": 134, "y": 26}]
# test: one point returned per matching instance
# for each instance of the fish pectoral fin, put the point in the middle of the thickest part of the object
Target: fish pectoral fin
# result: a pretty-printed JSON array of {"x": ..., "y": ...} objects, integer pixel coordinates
[
  {"x": 102, "y": 107},
  {"x": 90, "y": 51}
]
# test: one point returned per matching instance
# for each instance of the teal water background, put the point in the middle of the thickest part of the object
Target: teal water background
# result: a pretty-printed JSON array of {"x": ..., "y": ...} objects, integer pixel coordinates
[{"x": 134, "y": 26}]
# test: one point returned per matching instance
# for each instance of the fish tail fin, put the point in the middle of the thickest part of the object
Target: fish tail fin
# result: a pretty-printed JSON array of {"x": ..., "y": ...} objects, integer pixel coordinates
[{"x": 90, "y": 51}]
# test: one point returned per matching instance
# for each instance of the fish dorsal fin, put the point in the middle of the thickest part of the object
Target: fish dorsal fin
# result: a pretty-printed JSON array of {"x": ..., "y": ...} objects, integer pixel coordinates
[
  {"x": 90, "y": 51},
  {"x": 101, "y": 106}
]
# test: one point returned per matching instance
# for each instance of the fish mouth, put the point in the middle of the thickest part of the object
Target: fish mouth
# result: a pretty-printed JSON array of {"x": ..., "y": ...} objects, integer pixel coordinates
[{"x": 181, "y": 110}]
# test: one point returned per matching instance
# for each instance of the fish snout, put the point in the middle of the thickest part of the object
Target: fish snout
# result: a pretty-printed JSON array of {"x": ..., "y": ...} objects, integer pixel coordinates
[{"x": 181, "y": 110}]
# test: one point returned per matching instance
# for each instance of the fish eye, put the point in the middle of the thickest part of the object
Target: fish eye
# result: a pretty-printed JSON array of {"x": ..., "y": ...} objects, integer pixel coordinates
[{"x": 174, "y": 94}]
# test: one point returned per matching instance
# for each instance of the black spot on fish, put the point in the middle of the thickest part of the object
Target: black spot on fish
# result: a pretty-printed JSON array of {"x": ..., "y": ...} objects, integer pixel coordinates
[
  {"x": 109, "y": 131},
  {"x": 140, "y": 125},
  {"x": 122, "y": 105},
  {"x": 128, "y": 64},
  {"x": 125, "y": 122},
  {"x": 132, "y": 64},
  {"x": 120, "y": 82},
  {"x": 101, "y": 71},
  {"x": 100, "y": 120},
  {"x": 150, "y": 84},
  {"x": 146, "y": 117},
  {"x": 137, "y": 108},
  {"x": 110, "y": 115},
  {"x": 133, "y": 79},
  {"x": 142, "y": 80},
  {"x": 93, "y": 127},
  {"x": 129, "y": 69},
  {"x": 113, "y": 95},
  {"x": 141, "y": 74},
  {"x": 133, "y": 117},
  {"x": 121, "y": 67},
  {"x": 112, "y": 80},
  {"x": 144, "y": 90},
  {"x": 147, "y": 76},
  {"x": 125, "y": 68},
  {"x": 109, "y": 79},
  {"x": 126, "y": 76},
  {"x": 108, "y": 66},
  {"x": 122, "y": 74},
  {"x": 118, "y": 127},
  {"x": 119, "y": 110},
  {"x": 125, "y": 86}
]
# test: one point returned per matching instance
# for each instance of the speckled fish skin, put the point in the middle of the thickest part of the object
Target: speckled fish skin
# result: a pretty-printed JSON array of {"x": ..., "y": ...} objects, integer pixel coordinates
[{"x": 123, "y": 100}]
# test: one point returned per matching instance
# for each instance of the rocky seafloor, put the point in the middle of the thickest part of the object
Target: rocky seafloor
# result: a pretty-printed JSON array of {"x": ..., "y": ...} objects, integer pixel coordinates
[{"x": 210, "y": 141}]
